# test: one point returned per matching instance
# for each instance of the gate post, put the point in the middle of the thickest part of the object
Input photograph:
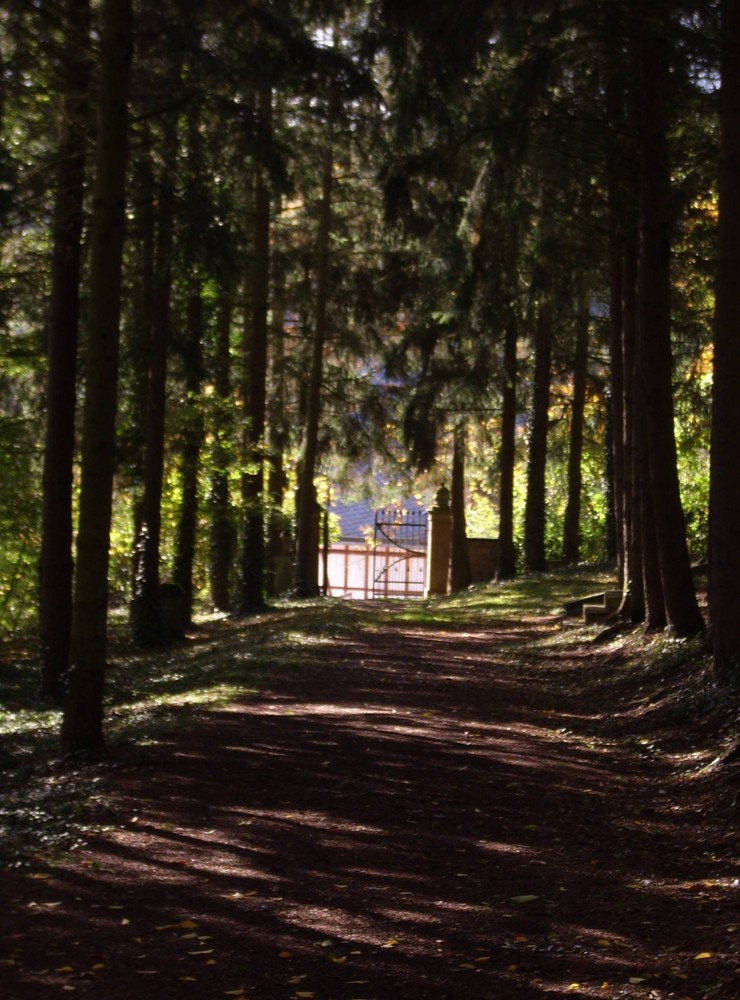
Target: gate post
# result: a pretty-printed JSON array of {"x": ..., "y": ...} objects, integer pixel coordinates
[{"x": 439, "y": 545}]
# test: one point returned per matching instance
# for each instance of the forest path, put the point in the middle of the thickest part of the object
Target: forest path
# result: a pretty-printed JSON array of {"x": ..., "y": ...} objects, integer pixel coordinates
[{"x": 412, "y": 813}]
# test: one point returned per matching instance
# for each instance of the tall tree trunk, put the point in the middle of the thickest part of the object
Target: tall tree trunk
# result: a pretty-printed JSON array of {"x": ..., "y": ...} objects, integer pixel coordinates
[
  {"x": 616, "y": 198},
  {"x": 142, "y": 239},
  {"x": 277, "y": 438},
  {"x": 252, "y": 583},
  {"x": 305, "y": 582},
  {"x": 724, "y": 521},
  {"x": 536, "y": 505},
  {"x": 82, "y": 723},
  {"x": 56, "y": 563},
  {"x": 460, "y": 575},
  {"x": 146, "y": 611},
  {"x": 222, "y": 529},
  {"x": 192, "y": 359},
  {"x": 635, "y": 458},
  {"x": 682, "y": 609},
  {"x": 572, "y": 526},
  {"x": 506, "y": 568},
  {"x": 192, "y": 440}
]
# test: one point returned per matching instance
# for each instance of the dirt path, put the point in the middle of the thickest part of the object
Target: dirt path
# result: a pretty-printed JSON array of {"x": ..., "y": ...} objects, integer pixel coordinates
[{"x": 412, "y": 814}]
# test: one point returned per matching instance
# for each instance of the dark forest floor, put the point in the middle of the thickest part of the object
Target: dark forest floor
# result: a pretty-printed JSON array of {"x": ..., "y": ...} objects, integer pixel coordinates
[{"x": 483, "y": 805}]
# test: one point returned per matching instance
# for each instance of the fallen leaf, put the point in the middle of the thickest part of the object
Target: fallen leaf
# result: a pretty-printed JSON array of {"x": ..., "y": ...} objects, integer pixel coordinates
[
  {"x": 187, "y": 924},
  {"x": 574, "y": 986},
  {"x": 235, "y": 993},
  {"x": 39, "y": 875},
  {"x": 703, "y": 955},
  {"x": 636, "y": 980},
  {"x": 339, "y": 960},
  {"x": 285, "y": 954},
  {"x": 65, "y": 968},
  {"x": 520, "y": 939},
  {"x": 188, "y": 979},
  {"x": 524, "y": 899}
]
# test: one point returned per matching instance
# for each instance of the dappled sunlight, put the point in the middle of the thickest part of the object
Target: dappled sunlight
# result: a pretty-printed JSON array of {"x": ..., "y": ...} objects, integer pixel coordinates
[{"x": 401, "y": 811}]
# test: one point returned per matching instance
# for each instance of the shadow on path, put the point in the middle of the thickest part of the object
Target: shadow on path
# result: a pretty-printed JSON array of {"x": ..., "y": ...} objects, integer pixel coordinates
[{"x": 411, "y": 814}]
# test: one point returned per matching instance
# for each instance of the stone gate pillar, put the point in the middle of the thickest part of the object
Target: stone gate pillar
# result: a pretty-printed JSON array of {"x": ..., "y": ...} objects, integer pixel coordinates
[{"x": 439, "y": 542}]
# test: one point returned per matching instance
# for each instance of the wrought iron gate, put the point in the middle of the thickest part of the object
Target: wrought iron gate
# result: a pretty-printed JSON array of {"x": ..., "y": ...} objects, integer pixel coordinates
[{"x": 399, "y": 553}]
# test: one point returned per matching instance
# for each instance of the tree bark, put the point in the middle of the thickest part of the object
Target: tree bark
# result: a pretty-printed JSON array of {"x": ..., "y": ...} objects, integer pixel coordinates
[
  {"x": 192, "y": 440},
  {"x": 222, "y": 529},
  {"x": 536, "y": 505},
  {"x": 572, "y": 526},
  {"x": 635, "y": 457},
  {"x": 724, "y": 521},
  {"x": 306, "y": 535},
  {"x": 146, "y": 611},
  {"x": 56, "y": 563},
  {"x": 278, "y": 547},
  {"x": 616, "y": 199},
  {"x": 460, "y": 576},
  {"x": 506, "y": 568},
  {"x": 82, "y": 723},
  {"x": 252, "y": 582},
  {"x": 654, "y": 325}
]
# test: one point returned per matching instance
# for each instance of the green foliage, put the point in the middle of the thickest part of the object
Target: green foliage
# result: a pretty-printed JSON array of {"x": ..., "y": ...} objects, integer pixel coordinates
[{"x": 19, "y": 519}]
